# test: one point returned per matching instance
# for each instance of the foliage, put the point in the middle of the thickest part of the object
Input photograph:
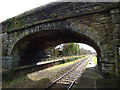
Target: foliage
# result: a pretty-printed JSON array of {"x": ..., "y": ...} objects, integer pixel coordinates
[
  {"x": 69, "y": 59},
  {"x": 55, "y": 53},
  {"x": 53, "y": 15},
  {"x": 94, "y": 59},
  {"x": 67, "y": 50},
  {"x": 14, "y": 22},
  {"x": 71, "y": 49}
]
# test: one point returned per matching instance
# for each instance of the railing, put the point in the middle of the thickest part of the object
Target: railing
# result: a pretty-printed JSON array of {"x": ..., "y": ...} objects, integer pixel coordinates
[{"x": 6, "y": 62}]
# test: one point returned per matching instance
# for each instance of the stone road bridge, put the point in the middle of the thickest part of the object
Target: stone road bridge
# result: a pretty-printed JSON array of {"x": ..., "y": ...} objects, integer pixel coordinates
[{"x": 30, "y": 36}]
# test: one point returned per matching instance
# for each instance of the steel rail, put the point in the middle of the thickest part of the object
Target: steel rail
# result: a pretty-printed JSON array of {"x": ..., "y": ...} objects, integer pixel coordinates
[
  {"x": 83, "y": 60},
  {"x": 75, "y": 79}
]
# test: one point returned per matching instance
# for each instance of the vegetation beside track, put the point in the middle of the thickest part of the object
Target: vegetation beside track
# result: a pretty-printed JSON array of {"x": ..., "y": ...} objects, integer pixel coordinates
[
  {"x": 94, "y": 59},
  {"x": 26, "y": 82}
]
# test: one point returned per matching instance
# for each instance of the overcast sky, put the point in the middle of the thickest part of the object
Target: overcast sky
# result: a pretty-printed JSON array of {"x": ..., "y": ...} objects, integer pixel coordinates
[{"x": 11, "y": 8}]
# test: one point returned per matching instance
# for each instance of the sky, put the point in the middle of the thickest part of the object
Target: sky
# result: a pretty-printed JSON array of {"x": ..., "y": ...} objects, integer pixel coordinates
[
  {"x": 86, "y": 47},
  {"x": 11, "y": 8}
]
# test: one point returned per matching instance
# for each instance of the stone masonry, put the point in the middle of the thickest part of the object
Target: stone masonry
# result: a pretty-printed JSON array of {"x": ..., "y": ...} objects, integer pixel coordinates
[{"x": 30, "y": 36}]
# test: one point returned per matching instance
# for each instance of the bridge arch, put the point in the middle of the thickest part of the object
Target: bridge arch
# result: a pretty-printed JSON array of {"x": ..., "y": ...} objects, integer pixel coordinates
[
  {"x": 62, "y": 25},
  {"x": 34, "y": 43},
  {"x": 98, "y": 22}
]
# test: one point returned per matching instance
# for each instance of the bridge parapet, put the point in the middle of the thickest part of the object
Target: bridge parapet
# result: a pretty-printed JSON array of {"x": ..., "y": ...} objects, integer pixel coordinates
[{"x": 53, "y": 12}]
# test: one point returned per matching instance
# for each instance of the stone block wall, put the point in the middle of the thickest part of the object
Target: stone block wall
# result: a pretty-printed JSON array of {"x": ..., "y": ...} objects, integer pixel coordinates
[{"x": 96, "y": 24}]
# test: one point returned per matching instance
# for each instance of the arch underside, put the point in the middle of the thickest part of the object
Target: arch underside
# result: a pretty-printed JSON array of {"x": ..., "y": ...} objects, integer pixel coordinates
[{"x": 34, "y": 47}]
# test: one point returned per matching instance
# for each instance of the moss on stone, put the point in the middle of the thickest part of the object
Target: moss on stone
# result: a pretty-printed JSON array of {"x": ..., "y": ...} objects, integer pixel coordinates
[
  {"x": 53, "y": 15},
  {"x": 14, "y": 22}
]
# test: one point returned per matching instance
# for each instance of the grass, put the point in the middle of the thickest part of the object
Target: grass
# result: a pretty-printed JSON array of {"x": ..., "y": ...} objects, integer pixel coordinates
[
  {"x": 87, "y": 64},
  {"x": 94, "y": 59},
  {"x": 64, "y": 59},
  {"x": 52, "y": 70},
  {"x": 40, "y": 78},
  {"x": 25, "y": 82},
  {"x": 57, "y": 66}
]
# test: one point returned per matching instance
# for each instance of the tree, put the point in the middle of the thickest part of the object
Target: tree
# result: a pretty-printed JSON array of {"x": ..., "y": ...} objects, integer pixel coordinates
[
  {"x": 56, "y": 52},
  {"x": 68, "y": 50},
  {"x": 85, "y": 52},
  {"x": 71, "y": 49},
  {"x": 53, "y": 54}
]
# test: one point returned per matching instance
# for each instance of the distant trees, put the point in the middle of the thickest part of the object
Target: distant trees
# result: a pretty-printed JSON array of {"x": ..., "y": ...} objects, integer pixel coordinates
[
  {"x": 69, "y": 50},
  {"x": 55, "y": 53},
  {"x": 85, "y": 52}
]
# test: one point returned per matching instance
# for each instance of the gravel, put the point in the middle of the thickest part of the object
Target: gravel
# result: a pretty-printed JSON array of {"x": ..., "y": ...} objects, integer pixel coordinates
[
  {"x": 52, "y": 73},
  {"x": 42, "y": 78}
]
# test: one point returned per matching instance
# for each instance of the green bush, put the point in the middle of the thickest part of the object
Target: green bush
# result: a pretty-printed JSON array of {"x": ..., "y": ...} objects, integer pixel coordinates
[{"x": 69, "y": 59}]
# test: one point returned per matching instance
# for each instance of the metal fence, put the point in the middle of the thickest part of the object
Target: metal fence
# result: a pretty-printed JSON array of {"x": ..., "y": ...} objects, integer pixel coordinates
[{"x": 6, "y": 62}]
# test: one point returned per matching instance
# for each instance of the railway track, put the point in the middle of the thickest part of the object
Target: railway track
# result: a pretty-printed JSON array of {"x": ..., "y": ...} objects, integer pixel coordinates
[{"x": 67, "y": 80}]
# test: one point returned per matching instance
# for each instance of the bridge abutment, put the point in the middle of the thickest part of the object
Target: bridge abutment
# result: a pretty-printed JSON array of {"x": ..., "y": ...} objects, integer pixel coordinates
[
  {"x": 115, "y": 18},
  {"x": 97, "y": 24}
]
